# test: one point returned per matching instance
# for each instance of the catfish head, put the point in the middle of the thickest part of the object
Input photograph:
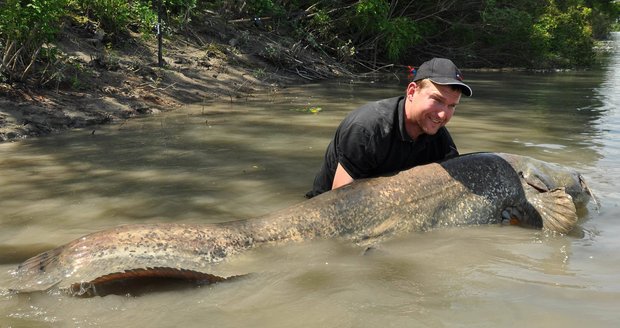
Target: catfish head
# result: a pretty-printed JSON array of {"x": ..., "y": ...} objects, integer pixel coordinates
[
  {"x": 554, "y": 191},
  {"x": 545, "y": 177}
]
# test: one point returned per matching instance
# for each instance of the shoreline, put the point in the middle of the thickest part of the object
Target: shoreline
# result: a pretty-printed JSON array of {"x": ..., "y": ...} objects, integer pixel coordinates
[
  {"x": 216, "y": 63},
  {"x": 104, "y": 85}
]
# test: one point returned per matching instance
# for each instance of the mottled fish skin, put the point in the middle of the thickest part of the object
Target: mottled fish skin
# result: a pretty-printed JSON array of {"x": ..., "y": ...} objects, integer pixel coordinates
[{"x": 468, "y": 190}]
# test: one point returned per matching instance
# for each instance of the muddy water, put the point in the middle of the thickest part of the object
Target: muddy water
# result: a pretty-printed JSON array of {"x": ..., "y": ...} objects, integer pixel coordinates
[{"x": 220, "y": 161}]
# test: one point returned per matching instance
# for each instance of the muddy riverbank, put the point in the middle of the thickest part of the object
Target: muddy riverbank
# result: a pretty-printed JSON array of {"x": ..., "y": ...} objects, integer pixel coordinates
[{"x": 104, "y": 82}]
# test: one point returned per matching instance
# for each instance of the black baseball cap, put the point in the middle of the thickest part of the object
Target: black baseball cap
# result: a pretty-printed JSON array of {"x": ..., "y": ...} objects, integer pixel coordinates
[{"x": 442, "y": 71}]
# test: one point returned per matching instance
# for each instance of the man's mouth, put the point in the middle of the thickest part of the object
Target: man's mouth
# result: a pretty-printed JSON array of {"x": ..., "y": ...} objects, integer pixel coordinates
[{"x": 437, "y": 121}]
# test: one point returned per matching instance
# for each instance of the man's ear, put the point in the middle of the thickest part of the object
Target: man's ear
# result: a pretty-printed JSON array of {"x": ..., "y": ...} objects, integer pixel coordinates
[{"x": 411, "y": 88}]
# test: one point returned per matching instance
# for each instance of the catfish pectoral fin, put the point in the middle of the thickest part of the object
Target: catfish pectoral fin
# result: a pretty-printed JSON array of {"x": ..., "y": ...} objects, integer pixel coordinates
[
  {"x": 137, "y": 282},
  {"x": 534, "y": 182},
  {"x": 556, "y": 209}
]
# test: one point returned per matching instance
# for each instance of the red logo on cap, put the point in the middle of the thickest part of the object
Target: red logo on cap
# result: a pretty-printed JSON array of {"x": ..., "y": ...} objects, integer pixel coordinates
[{"x": 459, "y": 77}]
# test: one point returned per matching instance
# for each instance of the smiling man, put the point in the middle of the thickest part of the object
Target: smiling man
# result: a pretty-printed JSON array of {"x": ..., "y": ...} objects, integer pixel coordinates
[{"x": 396, "y": 134}]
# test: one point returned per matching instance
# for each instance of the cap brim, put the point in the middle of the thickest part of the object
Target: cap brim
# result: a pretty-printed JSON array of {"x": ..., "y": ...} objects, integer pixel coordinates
[{"x": 465, "y": 89}]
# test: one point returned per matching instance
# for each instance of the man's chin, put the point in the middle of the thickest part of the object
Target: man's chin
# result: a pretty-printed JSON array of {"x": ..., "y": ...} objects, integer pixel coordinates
[{"x": 432, "y": 131}]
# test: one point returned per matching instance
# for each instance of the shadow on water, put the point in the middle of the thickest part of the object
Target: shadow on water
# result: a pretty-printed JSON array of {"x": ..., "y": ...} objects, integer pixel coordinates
[{"x": 183, "y": 158}]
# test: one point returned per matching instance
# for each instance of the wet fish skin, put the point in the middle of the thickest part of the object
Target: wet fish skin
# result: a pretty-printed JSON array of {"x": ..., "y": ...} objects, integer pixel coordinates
[{"x": 468, "y": 190}]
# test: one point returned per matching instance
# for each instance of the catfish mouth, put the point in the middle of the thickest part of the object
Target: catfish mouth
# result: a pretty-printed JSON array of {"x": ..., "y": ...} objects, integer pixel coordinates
[{"x": 514, "y": 215}]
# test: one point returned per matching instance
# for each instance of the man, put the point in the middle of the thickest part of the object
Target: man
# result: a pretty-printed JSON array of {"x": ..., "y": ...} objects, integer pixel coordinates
[{"x": 396, "y": 134}]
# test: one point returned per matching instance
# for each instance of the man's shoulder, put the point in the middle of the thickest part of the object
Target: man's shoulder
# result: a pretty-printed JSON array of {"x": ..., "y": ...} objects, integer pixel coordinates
[
  {"x": 374, "y": 112},
  {"x": 388, "y": 104}
]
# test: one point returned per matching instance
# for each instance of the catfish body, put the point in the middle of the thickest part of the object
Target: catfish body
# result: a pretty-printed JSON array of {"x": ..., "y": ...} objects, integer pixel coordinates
[{"x": 480, "y": 188}]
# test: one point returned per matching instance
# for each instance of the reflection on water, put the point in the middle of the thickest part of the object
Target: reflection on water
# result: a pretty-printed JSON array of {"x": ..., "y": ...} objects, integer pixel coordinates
[{"x": 223, "y": 161}]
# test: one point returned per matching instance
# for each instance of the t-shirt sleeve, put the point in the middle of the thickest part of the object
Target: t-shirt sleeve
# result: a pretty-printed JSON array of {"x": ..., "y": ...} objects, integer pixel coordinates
[{"x": 354, "y": 151}]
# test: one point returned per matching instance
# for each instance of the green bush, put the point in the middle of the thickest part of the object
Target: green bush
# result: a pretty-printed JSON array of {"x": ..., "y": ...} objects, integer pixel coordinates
[
  {"x": 508, "y": 35},
  {"x": 371, "y": 16},
  {"x": 264, "y": 8},
  {"x": 390, "y": 35},
  {"x": 113, "y": 16},
  {"x": 144, "y": 18},
  {"x": 28, "y": 27},
  {"x": 178, "y": 12},
  {"x": 517, "y": 33},
  {"x": 401, "y": 34},
  {"x": 568, "y": 36},
  {"x": 24, "y": 30}
]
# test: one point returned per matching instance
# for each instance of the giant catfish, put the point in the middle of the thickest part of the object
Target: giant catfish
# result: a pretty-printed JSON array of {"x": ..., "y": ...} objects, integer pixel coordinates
[{"x": 472, "y": 189}]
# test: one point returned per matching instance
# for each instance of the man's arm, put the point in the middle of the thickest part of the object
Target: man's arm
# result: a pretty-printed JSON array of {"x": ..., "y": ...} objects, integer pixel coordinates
[{"x": 341, "y": 177}]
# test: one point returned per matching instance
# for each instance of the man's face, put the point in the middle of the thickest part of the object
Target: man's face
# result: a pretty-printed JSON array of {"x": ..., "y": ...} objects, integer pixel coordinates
[{"x": 430, "y": 107}]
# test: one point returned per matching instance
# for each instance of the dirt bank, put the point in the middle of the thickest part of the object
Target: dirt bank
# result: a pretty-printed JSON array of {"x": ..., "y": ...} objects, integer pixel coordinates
[{"x": 214, "y": 61}]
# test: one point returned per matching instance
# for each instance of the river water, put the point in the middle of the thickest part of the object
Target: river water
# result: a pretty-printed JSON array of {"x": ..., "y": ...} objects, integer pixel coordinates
[{"x": 222, "y": 161}]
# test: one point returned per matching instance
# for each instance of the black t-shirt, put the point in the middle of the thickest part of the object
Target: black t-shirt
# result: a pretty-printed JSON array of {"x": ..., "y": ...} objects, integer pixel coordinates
[{"x": 372, "y": 141}]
